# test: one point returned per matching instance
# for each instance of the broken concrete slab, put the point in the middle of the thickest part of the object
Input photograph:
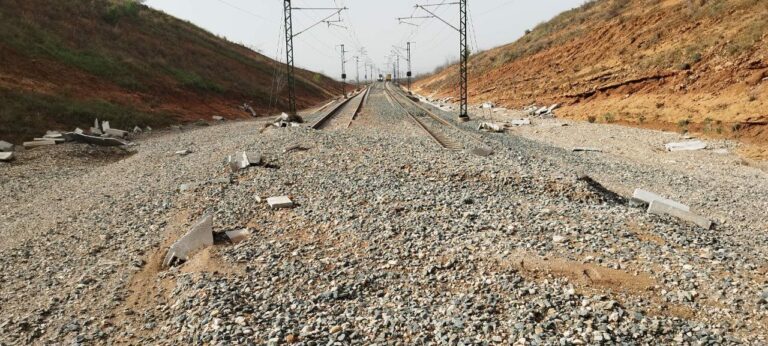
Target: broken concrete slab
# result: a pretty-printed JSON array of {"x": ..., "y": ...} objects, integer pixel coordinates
[
  {"x": 279, "y": 202},
  {"x": 5, "y": 146},
  {"x": 96, "y": 124},
  {"x": 184, "y": 152},
  {"x": 238, "y": 161},
  {"x": 217, "y": 118},
  {"x": 253, "y": 158},
  {"x": 577, "y": 149},
  {"x": 520, "y": 122},
  {"x": 116, "y": 133},
  {"x": 105, "y": 126},
  {"x": 79, "y": 131},
  {"x": 101, "y": 141},
  {"x": 659, "y": 207},
  {"x": 686, "y": 146},
  {"x": 57, "y": 140},
  {"x": 137, "y": 129},
  {"x": 6, "y": 156},
  {"x": 238, "y": 235},
  {"x": 198, "y": 237},
  {"x": 641, "y": 196},
  {"x": 35, "y": 144},
  {"x": 491, "y": 127},
  {"x": 96, "y": 131},
  {"x": 52, "y": 135}
]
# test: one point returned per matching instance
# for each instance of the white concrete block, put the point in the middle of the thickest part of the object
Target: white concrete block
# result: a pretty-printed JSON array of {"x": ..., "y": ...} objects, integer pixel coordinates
[
  {"x": 686, "y": 146},
  {"x": 96, "y": 131},
  {"x": 659, "y": 207},
  {"x": 253, "y": 158},
  {"x": 184, "y": 152},
  {"x": 238, "y": 235},
  {"x": 576, "y": 149},
  {"x": 79, "y": 131},
  {"x": 116, "y": 133},
  {"x": 521, "y": 122},
  {"x": 198, "y": 237},
  {"x": 57, "y": 140},
  {"x": 279, "y": 202},
  {"x": 5, "y": 146},
  {"x": 105, "y": 126},
  {"x": 35, "y": 144},
  {"x": 6, "y": 156},
  {"x": 647, "y": 197},
  {"x": 217, "y": 118}
]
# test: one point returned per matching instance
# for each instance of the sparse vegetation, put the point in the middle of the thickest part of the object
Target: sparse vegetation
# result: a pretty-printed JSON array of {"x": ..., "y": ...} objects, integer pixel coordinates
[
  {"x": 609, "y": 118},
  {"x": 591, "y": 119}
]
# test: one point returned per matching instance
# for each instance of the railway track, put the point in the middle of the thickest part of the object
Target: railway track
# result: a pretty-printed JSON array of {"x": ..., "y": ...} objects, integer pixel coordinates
[
  {"x": 441, "y": 131},
  {"x": 342, "y": 114}
]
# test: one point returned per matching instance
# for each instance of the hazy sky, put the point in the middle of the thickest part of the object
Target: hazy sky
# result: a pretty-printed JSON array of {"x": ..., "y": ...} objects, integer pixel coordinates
[{"x": 369, "y": 24}]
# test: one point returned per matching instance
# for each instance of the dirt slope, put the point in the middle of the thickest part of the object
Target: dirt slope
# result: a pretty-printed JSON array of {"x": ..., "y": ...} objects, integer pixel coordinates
[
  {"x": 697, "y": 65},
  {"x": 63, "y": 63}
]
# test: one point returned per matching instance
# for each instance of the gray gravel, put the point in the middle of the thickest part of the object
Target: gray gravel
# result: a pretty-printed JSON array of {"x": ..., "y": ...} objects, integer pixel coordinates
[{"x": 394, "y": 241}]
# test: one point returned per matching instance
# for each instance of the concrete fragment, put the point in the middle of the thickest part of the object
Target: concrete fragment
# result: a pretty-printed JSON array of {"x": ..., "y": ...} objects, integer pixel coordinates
[
  {"x": 96, "y": 131},
  {"x": 238, "y": 235},
  {"x": 217, "y": 118},
  {"x": 491, "y": 127},
  {"x": 105, "y": 126},
  {"x": 254, "y": 159},
  {"x": 79, "y": 131},
  {"x": 96, "y": 124},
  {"x": 557, "y": 239},
  {"x": 184, "y": 152},
  {"x": 577, "y": 149},
  {"x": 57, "y": 140},
  {"x": 102, "y": 141},
  {"x": 487, "y": 105},
  {"x": 686, "y": 146},
  {"x": 137, "y": 129},
  {"x": 148, "y": 129},
  {"x": 553, "y": 107},
  {"x": 662, "y": 208},
  {"x": 238, "y": 161},
  {"x": 6, "y": 156},
  {"x": 115, "y": 133},
  {"x": 35, "y": 144},
  {"x": 5, "y": 146},
  {"x": 641, "y": 196},
  {"x": 279, "y": 202},
  {"x": 198, "y": 237},
  {"x": 52, "y": 135},
  {"x": 521, "y": 122}
]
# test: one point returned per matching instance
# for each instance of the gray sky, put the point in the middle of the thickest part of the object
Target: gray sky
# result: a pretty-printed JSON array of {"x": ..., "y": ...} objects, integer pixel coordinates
[{"x": 370, "y": 24}]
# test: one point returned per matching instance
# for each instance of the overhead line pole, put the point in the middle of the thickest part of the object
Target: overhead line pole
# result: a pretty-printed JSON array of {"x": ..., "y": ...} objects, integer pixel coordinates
[
  {"x": 343, "y": 72},
  {"x": 408, "y": 73},
  {"x": 289, "y": 62}
]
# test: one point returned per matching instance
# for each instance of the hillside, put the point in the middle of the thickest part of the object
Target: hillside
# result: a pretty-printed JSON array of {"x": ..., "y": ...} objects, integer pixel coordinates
[
  {"x": 64, "y": 63},
  {"x": 684, "y": 65}
]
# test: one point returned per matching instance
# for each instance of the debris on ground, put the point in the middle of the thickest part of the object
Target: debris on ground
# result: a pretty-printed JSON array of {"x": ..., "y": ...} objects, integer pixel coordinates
[
  {"x": 137, "y": 130},
  {"x": 487, "y": 105},
  {"x": 6, "y": 156},
  {"x": 198, "y": 237},
  {"x": 490, "y": 127},
  {"x": 97, "y": 140},
  {"x": 38, "y": 143},
  {"x": 686, "y": 146},
  {"x": 116, "y": 133},
  {"x": 217, "y": 118},
  {"x": 242, "y": 160},
  {"x": 184, "y": 152},
  {"x": 238, "y": 235},
  {"x": 660, "y": 207},
  {"x": 482, "y": 151},
  {"x": 520, "y": 122},
  {"x": 578, "y": 149},
  {"x": 78, "y": 131},
  {"x": 96, "y": 131},
  {"x": 247, "y": 108},
  {"x": 279, "y": 202},
  {"x": 644, "y": 197},
  {"x": 5, "y": 146}
]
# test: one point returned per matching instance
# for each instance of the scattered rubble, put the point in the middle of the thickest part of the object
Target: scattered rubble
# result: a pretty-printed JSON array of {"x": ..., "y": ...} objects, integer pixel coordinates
[
  {"x": 490, "y": 127},
  {"x": 101, "y": 141},
  {"x": 184, "y": 152},
  {"x": 137, "y": 130},
  {"x": 520, "y": 122},
  {"x": 686, "y": 146},
  {"x": 217, "y": 118},
  {"x": 279, "y": 202},
  {"x": 660, "y": 207},
  {"x": 35, "y": 144},
  {"x": 5, "y": 146},
  {"x": 238, "y": 235},
  {"x": 198, "y": 237},
  {"x": 6, "y": 156},
  {"x": 242, "y": 160},
  {"x": 644, "y": 197}
]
